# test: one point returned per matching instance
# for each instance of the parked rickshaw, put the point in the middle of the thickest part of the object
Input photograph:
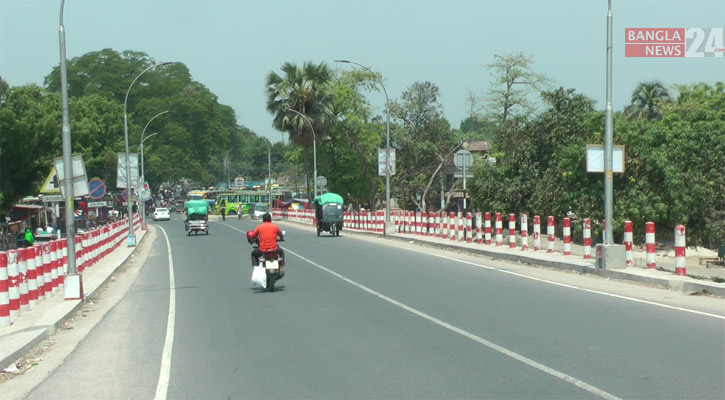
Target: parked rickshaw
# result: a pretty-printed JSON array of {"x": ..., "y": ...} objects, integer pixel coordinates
[
  {"x": 197, "y": 217},
  {"x": 328, "y": 212}
]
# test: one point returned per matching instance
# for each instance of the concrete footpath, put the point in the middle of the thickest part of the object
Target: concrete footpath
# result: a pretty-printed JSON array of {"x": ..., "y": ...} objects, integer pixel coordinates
[{"x": 47, "y": 316}]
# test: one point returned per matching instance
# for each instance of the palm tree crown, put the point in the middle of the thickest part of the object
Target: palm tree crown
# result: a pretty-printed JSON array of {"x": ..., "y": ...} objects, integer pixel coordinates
[{"x": 646, "y": 99}]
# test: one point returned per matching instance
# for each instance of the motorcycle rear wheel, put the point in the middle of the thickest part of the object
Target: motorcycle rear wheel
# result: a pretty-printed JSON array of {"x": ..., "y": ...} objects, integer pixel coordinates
[{"x": 270, "y": 281}]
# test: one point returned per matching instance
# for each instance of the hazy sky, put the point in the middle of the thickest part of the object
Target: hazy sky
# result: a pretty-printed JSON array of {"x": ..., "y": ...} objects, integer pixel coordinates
[{"x": 231, "y": 45}]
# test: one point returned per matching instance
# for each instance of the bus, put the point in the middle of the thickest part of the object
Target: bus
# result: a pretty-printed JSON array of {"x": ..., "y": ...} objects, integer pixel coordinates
[{"x": 240, "y": 200}]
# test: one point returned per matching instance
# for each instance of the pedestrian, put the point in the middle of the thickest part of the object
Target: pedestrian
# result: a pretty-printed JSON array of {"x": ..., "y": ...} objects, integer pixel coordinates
[
  {"x": 29, "y": 239},
  {"x": 223, "y": 210}
]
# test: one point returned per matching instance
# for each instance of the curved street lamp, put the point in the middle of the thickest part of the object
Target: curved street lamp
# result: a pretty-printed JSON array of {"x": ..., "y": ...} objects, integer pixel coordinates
[
  {"x": 314, "y": 144},
  {"x": 131, "y": 240},
  {"x": 387, "y": 140},
  {"x": 143, "y": 179}
]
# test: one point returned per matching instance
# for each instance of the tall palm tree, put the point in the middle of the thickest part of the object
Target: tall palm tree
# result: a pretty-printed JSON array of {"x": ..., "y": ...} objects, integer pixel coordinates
[
  {"x": 646, "y": 98},
  {"x": 304, "y": 89}
]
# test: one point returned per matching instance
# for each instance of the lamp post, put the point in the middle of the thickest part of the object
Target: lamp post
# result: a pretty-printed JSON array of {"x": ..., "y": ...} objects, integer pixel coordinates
[
  {"x": 67, "y": 171},
  {"x": 269, "y": 172},
  {"x": 131, "y": 240},
  {"x": 387, "y": 140},
  {"x": 143, "y": 178},
  {"x": 314, "y": 144}
]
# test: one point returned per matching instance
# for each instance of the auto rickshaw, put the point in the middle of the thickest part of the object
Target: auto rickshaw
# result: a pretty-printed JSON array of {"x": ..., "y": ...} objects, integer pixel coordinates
[
  {"x": 197, "y": 217},
  {"x": 328, "y": 213}
]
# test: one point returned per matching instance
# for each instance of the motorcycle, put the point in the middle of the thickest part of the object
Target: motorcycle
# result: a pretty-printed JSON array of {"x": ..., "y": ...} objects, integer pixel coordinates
[{"x": 270, "y": 261}]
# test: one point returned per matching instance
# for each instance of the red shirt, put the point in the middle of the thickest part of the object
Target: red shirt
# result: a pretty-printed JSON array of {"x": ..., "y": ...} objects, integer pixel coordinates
[{"x": 267, "y": 234}]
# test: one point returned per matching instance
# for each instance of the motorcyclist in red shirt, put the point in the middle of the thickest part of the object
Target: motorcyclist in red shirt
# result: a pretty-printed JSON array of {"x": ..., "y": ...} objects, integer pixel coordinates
[{"x": 266, "y": 236}]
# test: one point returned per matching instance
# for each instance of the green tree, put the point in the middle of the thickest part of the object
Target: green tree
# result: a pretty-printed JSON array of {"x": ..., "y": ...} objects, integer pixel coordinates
[
  {"x": 424, "y": 143},
  {"x": 647, "y": 99},
  {"x": 30, "y": 139},
  {"x": 304, "y": 89},
  {"x": 513, "y": 82}
]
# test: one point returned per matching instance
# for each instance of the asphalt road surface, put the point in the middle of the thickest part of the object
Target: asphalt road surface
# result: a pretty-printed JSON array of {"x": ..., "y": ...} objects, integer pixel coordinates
[{"x": 360, "y": 317}]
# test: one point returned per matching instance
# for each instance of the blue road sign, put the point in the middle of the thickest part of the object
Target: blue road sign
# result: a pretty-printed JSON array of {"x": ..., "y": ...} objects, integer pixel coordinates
[{"x": 96, "y": 189}]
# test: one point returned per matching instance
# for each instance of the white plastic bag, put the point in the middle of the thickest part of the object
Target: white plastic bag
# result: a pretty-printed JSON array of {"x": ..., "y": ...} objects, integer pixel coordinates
[{"x": 259, "y": 276}]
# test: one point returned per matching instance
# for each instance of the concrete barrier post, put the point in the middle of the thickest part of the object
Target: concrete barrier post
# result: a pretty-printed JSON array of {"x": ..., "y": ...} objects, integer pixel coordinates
[
  {"x": 54, "y": 244},
  {"x": 649, "y": 237},
  {"x": 628, "y": 237},
  {"x": 469, "y": 228},
  {"x": 47, "y": 274},
  {"x": 680, "y": 251},
  {"x": 4, "y": 291},
  {"x": 567, "y": 236},
  {"x": 537, "y": 233},
  {"x": 453, "y": 226},
  {"x": 487, "y": 228},
  {"x": 460, "y": 223},
  {"x": 512, "y": 231},
  {"x": 444, "y": 232},
  {"x": 32, "y": 277},
  {"x": 479, "y": 230},
  {"x": 23, "y": 274},
  {"x": 39, "y": 271},
  {"x": 499, "y": 229},
  {"x": 550, "y": 234},
  {"x": 13, "y": 283},
  {"x": 587, "y": 234},
  {"x": 524, "y": 232}
]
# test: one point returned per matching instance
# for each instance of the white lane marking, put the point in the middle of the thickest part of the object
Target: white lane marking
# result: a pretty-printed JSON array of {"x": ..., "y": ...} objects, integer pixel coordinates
[
  {"x": 557, "y": 374},
  {"x": 652, "y": 303},
  {"x": 162, "y": 388}
]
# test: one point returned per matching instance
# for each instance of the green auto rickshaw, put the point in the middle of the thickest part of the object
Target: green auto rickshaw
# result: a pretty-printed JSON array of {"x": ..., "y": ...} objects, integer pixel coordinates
[{"x": 328, "y": 213}]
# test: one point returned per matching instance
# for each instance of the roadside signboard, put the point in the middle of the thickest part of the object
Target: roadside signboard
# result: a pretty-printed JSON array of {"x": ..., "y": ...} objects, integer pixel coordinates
[
  {"x": 97, "y": 204},
  {"x": 51, "y": 184},
  {"x": 382, "y": 162},
  {"x": 52, "y": 198}
]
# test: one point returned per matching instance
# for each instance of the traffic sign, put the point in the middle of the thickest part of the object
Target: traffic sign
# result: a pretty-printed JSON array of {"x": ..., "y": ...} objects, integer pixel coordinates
[
  {"x": 124, "y": 194},
  {"x": 96, "y": 189},
  {"x": 51, "y": 184}
]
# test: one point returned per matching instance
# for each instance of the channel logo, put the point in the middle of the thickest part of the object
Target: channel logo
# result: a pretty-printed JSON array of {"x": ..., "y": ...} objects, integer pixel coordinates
[{"x": 674, "y": 42}]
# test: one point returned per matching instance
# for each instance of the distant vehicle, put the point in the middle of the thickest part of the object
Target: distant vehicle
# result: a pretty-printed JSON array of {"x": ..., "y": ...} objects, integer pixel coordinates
[
  {"x": 258, "y": 210},
  {"x": 162, "y": 214}
]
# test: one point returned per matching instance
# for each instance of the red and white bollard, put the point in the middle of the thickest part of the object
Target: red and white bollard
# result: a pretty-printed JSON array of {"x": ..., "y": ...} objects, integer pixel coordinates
[
  {"x": 487, "y": 228},
  {"x": 499, "y": 229},
  {"x": 453, "y": 225},
  {"x": 13, "y": 283},
  {"x": 461, "y": 227},
  {"x": 479, "y": 231},
  {"x": 445, "y": 225},
  {"x": 32, "y": 277},
  {"x": 47, "y": 271},
  {"x": 39, "y": 271},
  {"x": 649, "y": 238},
  {"x": 628, "y": 238},
  {"x": 680, "y": 251},
  {"x": 550, "y": 234},
  {"x": 512, "y": 231},
  {"x": 567, "y": 236},
  {"x": 524, "y": 232},
  {"x": 4, "y": 291},
  {"x": 469, "y": 228},
  {"x": 23, "y": 273},
  {"x": 587, "y": 234},
  {"x": 438, "y": 224},
  {"x": 431, "y": 225},
  {"x": 537, "y": 232}
]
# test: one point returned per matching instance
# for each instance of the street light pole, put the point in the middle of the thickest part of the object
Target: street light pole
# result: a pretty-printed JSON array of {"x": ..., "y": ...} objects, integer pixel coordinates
[
  {"x": 269, "y": 172},
  {"x": 314, "y": 144},
  {"x": 387, "y": 140},
  {"x": 143, "y": 178},
  {"x": 131, "y": 240},
  {"x": 67, "y": 157},
  {"x": 608, "y": 138}
]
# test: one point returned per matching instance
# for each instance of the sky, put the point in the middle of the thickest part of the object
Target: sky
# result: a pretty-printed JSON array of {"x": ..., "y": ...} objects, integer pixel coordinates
[{"x": 230, "y": 46}]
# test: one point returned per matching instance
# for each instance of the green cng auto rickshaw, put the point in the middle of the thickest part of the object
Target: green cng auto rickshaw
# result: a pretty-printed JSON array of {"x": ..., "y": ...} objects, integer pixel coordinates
[
  {"x": 197, "y": 217},
  {"x": 328, "y": 213}
]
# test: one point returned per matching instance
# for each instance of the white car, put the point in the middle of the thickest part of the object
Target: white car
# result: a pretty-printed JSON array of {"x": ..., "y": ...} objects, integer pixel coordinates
[
  {"x": 257, "y": 210},
  {"x": 161, "y": 214}
]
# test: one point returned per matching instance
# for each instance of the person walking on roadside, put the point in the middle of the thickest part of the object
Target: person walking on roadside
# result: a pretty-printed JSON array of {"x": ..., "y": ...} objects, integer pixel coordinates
[{"x": 223, "y": 210}]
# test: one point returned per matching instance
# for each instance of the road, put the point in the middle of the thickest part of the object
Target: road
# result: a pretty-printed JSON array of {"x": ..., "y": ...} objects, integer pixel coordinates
[{"x": 360, "y": 317}]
